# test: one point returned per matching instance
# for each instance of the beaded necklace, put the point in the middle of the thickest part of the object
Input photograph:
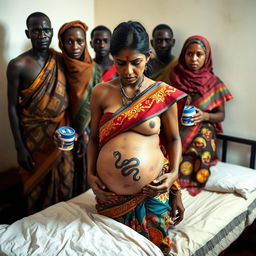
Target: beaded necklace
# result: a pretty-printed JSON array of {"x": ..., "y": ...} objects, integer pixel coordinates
[{"x": 125, "y": 98}]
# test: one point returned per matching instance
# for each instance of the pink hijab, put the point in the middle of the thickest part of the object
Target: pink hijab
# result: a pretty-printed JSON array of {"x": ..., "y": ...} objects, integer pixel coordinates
[{"x": 199, "y": 81}]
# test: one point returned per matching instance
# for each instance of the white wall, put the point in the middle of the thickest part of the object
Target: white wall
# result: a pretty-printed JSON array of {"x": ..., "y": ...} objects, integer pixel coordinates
[
  {"x": 229, "y": 25},
  {"x": 13, "y": 14}
]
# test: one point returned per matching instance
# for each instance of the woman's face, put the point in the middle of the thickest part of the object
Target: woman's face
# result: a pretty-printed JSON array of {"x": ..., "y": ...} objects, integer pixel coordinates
[
  {"x": 74, "y": 42},
  {"x": 130, "y": 66},
  {"x": 195, "y": 57}
]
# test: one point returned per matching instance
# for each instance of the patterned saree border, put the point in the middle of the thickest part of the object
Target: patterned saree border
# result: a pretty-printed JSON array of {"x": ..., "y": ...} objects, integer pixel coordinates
[
  {"x": 153, "y": 86},
  {"x": 154, "y": 94},
  {"x": 119, "y": 210},
  {"x": 159, "y": 112}
]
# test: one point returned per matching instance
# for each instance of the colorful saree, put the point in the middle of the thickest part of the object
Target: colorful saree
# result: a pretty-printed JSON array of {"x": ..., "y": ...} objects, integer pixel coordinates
[
  {"x": 43, "y": 109},
  {"x": 149, "y": 216},
  {"x": 109, "y": 74},
  {"x": 206, "y": 92}
]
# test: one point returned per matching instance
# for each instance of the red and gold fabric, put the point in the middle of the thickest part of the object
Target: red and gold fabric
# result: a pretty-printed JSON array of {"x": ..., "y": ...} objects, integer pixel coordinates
[
  {"x": 150, "y": 216},
  {"x": 216, "y": 96},
  {"x": 153, "y": 101}
]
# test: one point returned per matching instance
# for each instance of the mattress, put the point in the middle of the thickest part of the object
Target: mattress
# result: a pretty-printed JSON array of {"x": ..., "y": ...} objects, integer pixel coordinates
[
  {"x": 72, "y": 228},
  {"x": 212, "y": 221}
]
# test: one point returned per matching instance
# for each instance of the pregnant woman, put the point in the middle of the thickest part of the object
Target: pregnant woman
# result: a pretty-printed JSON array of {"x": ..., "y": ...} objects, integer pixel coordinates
[{"x": 134, "y": 148}]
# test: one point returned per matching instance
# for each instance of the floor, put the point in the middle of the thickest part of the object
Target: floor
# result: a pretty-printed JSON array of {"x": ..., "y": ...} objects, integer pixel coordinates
[
  {"x": 12, "y": 203},
  {"x": 245, "y": 245}
]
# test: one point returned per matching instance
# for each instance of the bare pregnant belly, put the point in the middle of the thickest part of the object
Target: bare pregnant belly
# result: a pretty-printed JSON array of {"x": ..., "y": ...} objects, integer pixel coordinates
[{"x": 129, "y": 161}]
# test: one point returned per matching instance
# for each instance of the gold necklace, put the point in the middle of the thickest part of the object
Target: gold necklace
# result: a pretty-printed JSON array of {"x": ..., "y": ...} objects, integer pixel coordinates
[{"x": 125, "y": 97}]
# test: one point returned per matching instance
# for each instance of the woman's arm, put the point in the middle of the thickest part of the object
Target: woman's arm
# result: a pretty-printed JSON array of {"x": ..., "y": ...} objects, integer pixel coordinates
[
  {"x": 93, "y": 149},
  {"x": 215, "y": 116},
  {"x": 172, "y": 137},
  {"x": 177, "y": 207},
  {"x": 169, "y": 122}
]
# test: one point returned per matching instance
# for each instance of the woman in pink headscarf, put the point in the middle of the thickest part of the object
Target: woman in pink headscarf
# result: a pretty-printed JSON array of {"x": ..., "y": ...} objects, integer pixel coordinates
[{"x": 194, "y": 75}]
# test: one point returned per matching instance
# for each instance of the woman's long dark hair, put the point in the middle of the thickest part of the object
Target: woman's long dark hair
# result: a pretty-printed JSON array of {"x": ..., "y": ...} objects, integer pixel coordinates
[{"x": 130, "y": 35}]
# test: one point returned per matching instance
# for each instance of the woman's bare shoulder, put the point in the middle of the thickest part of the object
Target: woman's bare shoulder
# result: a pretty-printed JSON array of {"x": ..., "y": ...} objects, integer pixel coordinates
[
  {"x": 106, "y": 85},
  {"x": 103, "y": 90}
]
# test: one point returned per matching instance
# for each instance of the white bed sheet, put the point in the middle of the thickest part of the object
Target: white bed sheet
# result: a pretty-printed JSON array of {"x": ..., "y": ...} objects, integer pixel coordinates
[
  {"x": 212, "y": 222},
  {"x": 75, "y": 228},
  {"x": 72, "y": 228}
]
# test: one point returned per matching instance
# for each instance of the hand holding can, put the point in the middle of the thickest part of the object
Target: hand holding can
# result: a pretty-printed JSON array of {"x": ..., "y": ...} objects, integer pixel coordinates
[
  {"x": 188, "y": 112},
  {"x": 67, "y": 136}
]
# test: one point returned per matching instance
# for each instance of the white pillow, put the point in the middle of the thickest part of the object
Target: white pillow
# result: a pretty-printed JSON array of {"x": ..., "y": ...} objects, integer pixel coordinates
[{"x": 227, "y": 177}]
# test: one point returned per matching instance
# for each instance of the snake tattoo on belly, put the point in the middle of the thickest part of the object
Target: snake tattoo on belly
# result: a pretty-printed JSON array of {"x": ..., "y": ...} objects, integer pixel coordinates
[{"x": 126, "y": 167}]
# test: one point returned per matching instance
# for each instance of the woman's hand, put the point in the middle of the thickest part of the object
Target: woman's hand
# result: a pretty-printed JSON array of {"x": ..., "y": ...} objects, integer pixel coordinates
[
  {"x": 81, "y": 146},
  {"x": 58, "y": 141},
  {"x": 165, "y": 181},
  {"x": 177, "y": 208},
  {"x": 215, "y": 116},
  {"x": 98, "y": 188},
  {"x": 200, "y": 116}
]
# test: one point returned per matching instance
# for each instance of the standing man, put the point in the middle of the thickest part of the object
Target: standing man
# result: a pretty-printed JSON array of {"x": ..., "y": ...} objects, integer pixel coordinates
[
  {"x": 100, "y": 42},
  {"x": 163, "y": 62},
  {"x": 37, "y": 104}
]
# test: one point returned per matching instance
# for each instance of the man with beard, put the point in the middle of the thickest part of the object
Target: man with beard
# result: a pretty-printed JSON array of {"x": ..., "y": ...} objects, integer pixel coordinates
[
  {"x": 37, "y": 104},
  {"x": 100, "y": 42},
  {"x": 163, "y": 62}
]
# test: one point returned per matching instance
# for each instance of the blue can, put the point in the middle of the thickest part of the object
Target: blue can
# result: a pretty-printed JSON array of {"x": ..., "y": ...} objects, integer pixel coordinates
[
  {"x": 188, "y": 112},
  {"x": 68, "y": 136}
]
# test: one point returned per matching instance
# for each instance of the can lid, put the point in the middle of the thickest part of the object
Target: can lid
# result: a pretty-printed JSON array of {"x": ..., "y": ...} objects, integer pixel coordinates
[
  {"x": 189, "y": 109},
  {"x": 66, "y": 132}
]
